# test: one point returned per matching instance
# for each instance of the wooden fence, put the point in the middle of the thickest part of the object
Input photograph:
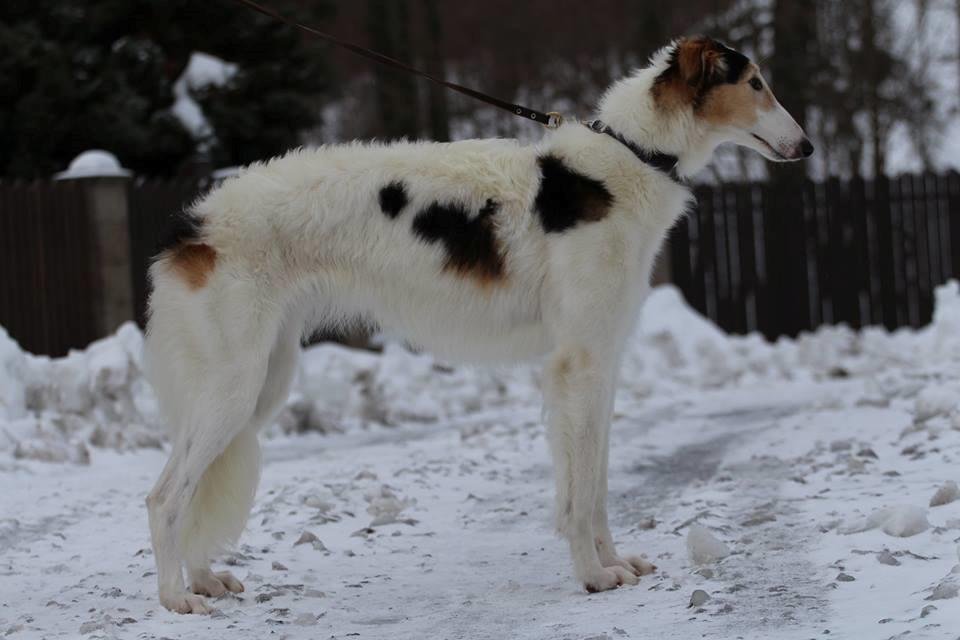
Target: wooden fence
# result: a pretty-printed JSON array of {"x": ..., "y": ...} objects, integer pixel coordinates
[
  {"x": 46, "y": 266},
  {"x": 856, "y": 252},
  {"x": 748, "y": 257}
]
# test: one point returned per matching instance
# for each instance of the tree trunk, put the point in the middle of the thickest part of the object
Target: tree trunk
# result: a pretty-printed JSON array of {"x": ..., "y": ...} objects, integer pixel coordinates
[
  {"x": 794, "y": 35},
  {"x": 436, "y": 95},
  {"x": 793, "y": 63},
  {"x": 870, "y": 72},
  {"x": 958, "y": 49},
  {"x": 396, "y": 91},
  {"x": 794, "y": 60}
]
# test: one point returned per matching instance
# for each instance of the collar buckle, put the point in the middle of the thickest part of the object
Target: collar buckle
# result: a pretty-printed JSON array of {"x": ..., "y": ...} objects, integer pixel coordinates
[{"x": 596, "y": 125}]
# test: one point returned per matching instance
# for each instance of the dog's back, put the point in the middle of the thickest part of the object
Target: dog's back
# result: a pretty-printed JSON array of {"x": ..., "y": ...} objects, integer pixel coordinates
[{"x": 426, "y": 240}]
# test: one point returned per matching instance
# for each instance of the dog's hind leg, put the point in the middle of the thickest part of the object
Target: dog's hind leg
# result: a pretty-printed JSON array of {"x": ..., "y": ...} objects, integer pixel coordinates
[
  {"x": 222, "y": 502},
  {"x": 218, "y": 361},
  {"x": 218, "y": 513}
]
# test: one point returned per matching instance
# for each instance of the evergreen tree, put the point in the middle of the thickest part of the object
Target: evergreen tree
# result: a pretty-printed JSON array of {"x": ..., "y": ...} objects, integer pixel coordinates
[{"x": 75, "y": 76}]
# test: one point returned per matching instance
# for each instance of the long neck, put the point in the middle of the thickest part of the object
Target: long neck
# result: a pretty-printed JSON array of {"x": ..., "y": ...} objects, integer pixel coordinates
[{"x": 629, "y": 107}]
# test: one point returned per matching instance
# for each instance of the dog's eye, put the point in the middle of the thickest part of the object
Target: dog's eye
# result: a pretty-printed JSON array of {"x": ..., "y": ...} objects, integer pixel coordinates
[{"x": 756, "y": 84}]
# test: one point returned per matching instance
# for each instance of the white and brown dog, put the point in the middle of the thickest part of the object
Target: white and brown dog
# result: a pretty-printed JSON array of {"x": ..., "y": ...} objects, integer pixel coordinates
[{"x": 480, "y": 251}]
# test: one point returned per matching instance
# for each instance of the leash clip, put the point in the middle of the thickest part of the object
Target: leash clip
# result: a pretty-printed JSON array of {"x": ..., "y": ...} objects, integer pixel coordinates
[{"x": 556, "y": 119}]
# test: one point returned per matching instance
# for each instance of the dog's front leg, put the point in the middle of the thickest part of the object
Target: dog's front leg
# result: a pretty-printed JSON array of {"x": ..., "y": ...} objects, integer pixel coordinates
[
  {"x": 578, "y": 386},
  {"x": 601, "y": 526}
]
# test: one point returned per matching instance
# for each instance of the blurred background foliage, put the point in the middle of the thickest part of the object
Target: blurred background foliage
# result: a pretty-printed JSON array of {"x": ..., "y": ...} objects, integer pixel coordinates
[
  {"x": 874, "y": 81},
  {"x": 81, "y": 75}
]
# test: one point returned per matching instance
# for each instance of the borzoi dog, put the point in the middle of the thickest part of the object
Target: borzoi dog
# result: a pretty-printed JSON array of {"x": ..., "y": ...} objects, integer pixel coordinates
[{"x": 480, "y": 251}]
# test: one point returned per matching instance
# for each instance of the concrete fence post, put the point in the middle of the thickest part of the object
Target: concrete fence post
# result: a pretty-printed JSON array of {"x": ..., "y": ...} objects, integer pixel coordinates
[{"x": 105, "y": 185}]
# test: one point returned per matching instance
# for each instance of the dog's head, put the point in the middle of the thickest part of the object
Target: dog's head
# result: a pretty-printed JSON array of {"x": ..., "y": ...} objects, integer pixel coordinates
[{"x": 729, "y": 98}]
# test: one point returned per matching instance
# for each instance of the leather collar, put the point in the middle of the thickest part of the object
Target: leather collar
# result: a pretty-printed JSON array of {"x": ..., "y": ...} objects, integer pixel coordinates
[{"x": 664, "y": 162}]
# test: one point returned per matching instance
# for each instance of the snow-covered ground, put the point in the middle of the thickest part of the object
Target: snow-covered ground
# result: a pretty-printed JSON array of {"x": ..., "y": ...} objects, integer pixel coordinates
[{"x": 783, "y": 490}]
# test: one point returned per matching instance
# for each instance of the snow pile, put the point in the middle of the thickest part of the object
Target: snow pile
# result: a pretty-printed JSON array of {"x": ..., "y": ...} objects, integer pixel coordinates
[
  {"x": 901, "y": 521},
  {"x": 674, "y": 347},
  {"x": 946, "y": 493},
  {"x": 339, "y": 388},
  {"x": 95, "y": 163},
  {"x": 703, "y": 547},
  {"x": 12, "y": 374},
  {"x": 53, "y": 408}
]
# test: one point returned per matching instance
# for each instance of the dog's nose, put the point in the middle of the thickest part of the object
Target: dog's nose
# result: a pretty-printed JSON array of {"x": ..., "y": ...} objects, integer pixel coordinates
[{"x": 806, "y": 148}]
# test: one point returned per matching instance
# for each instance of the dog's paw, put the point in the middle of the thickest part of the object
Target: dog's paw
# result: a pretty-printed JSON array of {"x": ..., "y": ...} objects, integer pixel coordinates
[
  {"x": 608, "y": 578},
  {"x": 230, "y": 582},
  {"x": 639, "y": 566},
  {"x": 634, "y": 564},
  {"x": 183, "y": 602},
  {"x": 215, "y": 584}
]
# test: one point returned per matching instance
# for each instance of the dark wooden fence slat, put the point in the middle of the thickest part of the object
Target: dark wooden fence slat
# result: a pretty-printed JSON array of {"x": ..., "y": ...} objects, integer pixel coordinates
[
  {"x": 862, "y": 299},
  {"x": 771, "y": 317},
  {"x": 747, "y": 258},
  {"x": 898, "y": 248},
  {"x": 882, "y": 216},
  {"x": 816, "y": 233},
  {"x": 152, "y": 205},
  {"x": 909, "y": 248},
  {"x": 924, "y": 289},
  {"x": 724, "y": 276},
  {"x": 857, "y": 252},
  {"x": 679, "y": 244},
  {"x": 943, "y": 226}
]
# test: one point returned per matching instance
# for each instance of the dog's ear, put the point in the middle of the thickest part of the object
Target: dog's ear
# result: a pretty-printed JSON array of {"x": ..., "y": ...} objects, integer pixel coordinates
[
  {"x": 696, "y": 65},
  {"x": 700, "y": 62}
]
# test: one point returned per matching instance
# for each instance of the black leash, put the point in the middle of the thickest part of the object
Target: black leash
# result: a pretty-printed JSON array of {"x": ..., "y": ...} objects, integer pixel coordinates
[
  {"x": 662, "y": 161},
  {"x": 551, "y": 120}
]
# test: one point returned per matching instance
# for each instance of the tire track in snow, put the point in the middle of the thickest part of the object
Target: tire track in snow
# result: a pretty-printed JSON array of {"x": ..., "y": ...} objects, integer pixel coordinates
[{"x": 768, "y": 581}]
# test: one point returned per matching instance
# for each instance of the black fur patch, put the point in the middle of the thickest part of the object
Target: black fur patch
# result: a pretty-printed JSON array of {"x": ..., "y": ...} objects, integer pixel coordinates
[
  {"x": 181, "y": 227},
  {"x": 472, "y": 247},
  {"x": 736, "y": 62},
  {"x": 393, "y": 198},
  {"x": 567, "y": 198}
]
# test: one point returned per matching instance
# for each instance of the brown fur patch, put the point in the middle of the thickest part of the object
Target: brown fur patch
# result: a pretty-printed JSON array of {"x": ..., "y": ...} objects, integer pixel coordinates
[
  {"x": 697, "y": 66},
  {"x": 731, "y": 104},
  {"x": 683, "y": 81},
  {"x": 194, "y": 263},
  {"x": 737, "y": 104},
  {"x": 569, "y": 364}
]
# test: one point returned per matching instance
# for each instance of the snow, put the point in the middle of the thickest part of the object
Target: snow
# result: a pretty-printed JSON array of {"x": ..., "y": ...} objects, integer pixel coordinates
[
  {"x": 202, "y": 70},
  {"x": 703, "y": 547},
  {"x": 901, "y": 521},
  {"x": 946, "y": 493},
  {"x": 782, "y": 490},
  {"x": 94, "y": 163}
]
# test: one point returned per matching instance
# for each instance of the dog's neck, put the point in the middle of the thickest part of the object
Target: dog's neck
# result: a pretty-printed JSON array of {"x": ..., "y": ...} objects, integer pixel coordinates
[{"x": 630, "y": 109}]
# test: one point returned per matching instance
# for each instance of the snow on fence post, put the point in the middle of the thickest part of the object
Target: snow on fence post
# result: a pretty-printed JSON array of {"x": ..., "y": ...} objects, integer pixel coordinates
[{"x": 104, "y": 184}]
